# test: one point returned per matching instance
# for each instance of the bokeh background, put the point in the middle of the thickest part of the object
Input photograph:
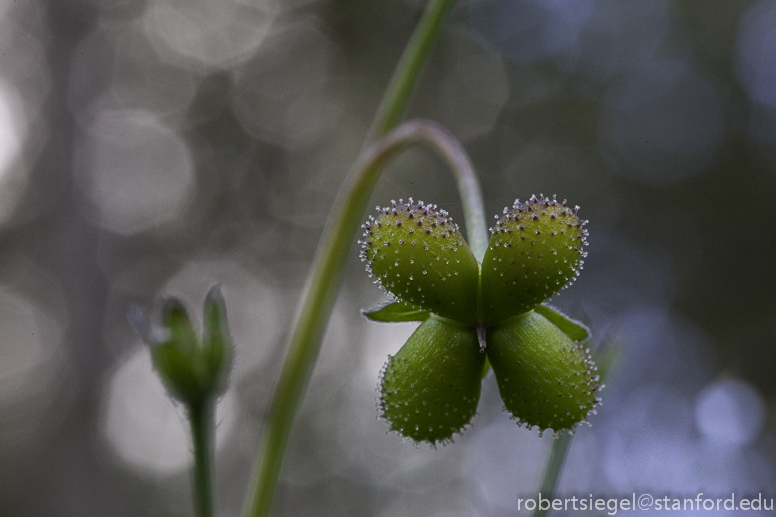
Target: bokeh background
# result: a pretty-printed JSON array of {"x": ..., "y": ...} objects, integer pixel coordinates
[{"x": 160, "y": 146}]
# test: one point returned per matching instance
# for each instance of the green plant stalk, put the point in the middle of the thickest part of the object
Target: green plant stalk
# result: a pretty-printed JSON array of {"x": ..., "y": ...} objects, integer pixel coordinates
[
  {"x": 326, "y": 275},
  {"x": 328, "y": 264},
  {"x": 202, "y": 420},
  {"x": 405, "y": 77},
  {"x": 553, "y": 469}
]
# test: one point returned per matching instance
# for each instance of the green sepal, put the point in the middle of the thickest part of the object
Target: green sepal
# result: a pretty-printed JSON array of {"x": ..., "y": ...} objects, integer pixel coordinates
[
  {"x": 216, "y": 352},
  {"x": 430, "y": 389},
  {"x": 177, "y": 323},
  {"x": 178, "y": 370},
  {"x": 395, "y": 312},
  {"x": 571, "y": 327},
  {"x": 545, "y": 379}
]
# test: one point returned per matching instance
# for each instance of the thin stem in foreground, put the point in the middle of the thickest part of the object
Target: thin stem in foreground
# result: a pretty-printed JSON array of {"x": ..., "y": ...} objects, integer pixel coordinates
[
  {"x": 404, "y": 79},
  {"x": 552, "y": 470},
  {"x": 321, "y": 290},
  {"x": 326, "y": 274},
  {"x": 202, "y": 419}
]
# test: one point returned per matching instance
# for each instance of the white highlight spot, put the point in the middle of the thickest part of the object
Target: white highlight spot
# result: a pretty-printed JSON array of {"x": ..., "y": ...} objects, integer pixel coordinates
[
  {"x": 214, "y": 34},
  {"x": 143, "y": 425},
  {"x": 136, "y": 173},
  {"x": 13, "y": 179},
  {"x": 29, "y": 338},
  {"x": 730, "y": 411}
]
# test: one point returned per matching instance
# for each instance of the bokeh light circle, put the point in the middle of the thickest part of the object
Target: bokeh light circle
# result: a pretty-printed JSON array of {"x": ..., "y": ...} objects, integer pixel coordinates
[
  {"x": 135, "y": 173},
  {"x": 143, "y": 425},
  {"x": 730, "y": 411}
]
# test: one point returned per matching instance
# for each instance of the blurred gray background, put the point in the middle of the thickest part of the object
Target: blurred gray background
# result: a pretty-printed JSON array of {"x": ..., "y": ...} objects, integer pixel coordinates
[{"x": 157, "y": 147}]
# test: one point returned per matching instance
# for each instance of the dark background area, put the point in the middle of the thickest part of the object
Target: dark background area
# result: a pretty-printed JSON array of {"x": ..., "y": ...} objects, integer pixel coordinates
[{"x": 157, "y": 147}]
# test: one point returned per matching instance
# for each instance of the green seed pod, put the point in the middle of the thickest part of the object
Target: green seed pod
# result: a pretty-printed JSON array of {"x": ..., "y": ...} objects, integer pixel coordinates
[
  {"x": 534, "y": 251},
  {"x": 192, "y": 369},
  {"x": 418, "y": 255},
  {"x": 545, "y": 379},
  {"x": 430, "y": 389}
]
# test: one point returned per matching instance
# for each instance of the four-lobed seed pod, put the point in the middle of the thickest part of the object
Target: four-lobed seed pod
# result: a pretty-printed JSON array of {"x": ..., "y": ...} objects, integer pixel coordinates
[
  {"x": 545, "y": 379},
  {"x": 535, "y": 250},
  {"x": 430, "y": 389},
  {"x": 419, "y": 255}
]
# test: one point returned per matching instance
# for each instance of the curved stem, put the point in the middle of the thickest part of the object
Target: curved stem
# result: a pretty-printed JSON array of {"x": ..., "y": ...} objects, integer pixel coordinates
[
  {"x": 329, "y": 261},
  {"x": 326, "y": 274},
  {"x": 202, "y": 420},
  {"x": 456, "y": 158}
]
